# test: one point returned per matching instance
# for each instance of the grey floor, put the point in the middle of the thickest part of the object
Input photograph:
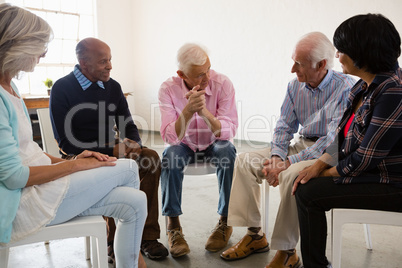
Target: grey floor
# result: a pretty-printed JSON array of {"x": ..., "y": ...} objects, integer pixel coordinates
[{"x": 200, "y": 196}]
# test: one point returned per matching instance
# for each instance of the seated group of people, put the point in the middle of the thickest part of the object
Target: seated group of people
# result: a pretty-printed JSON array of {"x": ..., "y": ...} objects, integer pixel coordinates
[{"x": 348, "y": 153}]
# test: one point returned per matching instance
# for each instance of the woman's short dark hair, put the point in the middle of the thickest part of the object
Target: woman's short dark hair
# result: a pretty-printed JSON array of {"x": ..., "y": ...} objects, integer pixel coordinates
[{"x": 371, "y": 41}]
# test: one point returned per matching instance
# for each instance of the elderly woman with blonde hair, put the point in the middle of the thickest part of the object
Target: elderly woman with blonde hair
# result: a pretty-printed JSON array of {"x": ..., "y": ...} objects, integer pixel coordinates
[{"x": 37, "y": 189}]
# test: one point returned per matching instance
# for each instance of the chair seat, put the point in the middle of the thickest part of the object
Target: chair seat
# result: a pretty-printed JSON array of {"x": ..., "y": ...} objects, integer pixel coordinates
[{"x": 202, "y": 168}]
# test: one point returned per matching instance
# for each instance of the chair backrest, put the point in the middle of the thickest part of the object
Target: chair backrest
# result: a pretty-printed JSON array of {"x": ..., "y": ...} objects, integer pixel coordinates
[{"x": 49, "y": 143}]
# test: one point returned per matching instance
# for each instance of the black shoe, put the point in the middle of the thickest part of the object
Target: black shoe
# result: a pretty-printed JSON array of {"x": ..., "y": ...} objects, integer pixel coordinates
[
  {"x": 153, "y": 249},
  {"x": 110, "y": 254}
]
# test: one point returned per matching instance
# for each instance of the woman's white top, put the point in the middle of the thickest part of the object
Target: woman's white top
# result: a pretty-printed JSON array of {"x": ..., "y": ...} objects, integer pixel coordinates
[{"x": 39, "y": 203}]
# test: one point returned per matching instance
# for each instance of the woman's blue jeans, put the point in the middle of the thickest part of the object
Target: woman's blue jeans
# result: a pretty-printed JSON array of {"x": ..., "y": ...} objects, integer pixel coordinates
[
  {"x": 113, "y": 192},
  {"x": 221, "y": 153}
]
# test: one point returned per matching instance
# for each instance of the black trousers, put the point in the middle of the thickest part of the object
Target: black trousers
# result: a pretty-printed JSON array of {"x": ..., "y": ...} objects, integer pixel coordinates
[{"x": 322, "y": 194}]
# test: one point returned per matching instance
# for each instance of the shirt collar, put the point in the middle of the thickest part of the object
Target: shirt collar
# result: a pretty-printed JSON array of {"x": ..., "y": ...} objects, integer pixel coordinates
[
  {"x": 324, "y": 82},
  {"x": 381, "y": 77},
  {"x": 85, "y": 83},
  {"x": 185, "y": 89}
]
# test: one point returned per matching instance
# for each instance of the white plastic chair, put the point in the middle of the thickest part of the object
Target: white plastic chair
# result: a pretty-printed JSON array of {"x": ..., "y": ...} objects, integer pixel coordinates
[
  {"x": 51, "y": 147},
  {"x": 89, "y": 226},
  {"x": 49, "y": 143},
  {"x": 196, "y": 169},
  {"x": 339, "y": 217}
]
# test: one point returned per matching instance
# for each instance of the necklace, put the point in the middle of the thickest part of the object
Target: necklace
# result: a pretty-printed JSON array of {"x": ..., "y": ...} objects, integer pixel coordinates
[{"x": 10, "y": 90}]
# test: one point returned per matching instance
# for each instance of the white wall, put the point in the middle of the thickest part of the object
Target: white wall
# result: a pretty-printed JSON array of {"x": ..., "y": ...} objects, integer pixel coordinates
[{"x": 249, "y": 41}]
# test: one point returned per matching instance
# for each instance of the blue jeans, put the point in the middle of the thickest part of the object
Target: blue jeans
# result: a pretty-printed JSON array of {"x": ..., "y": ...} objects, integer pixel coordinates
[
  {"x": 112, "y": 192},
  {"x": 221, "y": 153}
]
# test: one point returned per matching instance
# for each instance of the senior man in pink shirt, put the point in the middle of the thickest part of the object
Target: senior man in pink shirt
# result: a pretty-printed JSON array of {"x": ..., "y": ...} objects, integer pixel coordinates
[{"x": 199, "y": 118}]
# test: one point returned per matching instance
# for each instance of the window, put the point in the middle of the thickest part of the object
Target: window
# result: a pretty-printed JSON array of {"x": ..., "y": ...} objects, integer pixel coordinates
[{"x": 71, "y": 21}]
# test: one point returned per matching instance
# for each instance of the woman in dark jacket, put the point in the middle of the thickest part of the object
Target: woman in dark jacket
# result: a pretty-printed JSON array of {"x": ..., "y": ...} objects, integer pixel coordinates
[{"x": 363, "y": 167}]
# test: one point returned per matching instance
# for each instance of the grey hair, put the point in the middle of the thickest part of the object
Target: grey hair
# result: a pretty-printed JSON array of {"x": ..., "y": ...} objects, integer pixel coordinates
[
  {"x": 81, "y": 50},
  {"x": 23, "y": 38},
  {"x": 321, "y": 48},
  {"x": 191, "y": 54}
]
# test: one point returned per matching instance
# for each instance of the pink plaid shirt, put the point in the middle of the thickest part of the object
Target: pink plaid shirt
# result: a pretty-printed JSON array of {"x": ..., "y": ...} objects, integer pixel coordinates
[{"x": 220, "y": 101}]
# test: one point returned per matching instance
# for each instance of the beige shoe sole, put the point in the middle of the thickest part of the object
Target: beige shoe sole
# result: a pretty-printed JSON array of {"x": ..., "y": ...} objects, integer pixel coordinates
[
  {"x": 261, "y": 250},
  {"x": 180, "y": 254}
]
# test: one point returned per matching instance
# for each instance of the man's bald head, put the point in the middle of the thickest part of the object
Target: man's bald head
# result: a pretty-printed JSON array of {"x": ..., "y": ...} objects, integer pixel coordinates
[
  {"x": 87, "y": 46},
  {"x": 94, "y": 58}
]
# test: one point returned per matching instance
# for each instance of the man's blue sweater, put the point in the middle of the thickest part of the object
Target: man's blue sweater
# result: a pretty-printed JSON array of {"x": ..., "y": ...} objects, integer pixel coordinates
[{"x": 84, "y": 119}]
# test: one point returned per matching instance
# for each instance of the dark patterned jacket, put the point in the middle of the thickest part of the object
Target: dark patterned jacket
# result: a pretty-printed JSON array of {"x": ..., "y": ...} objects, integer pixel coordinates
[{"x": 372, "y": 148}]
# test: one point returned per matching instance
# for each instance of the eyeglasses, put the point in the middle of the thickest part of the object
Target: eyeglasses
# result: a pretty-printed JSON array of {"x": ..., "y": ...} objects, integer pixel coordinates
[
  {"x": 43, "y": 54},
  {"x": 338, "y": 53}
]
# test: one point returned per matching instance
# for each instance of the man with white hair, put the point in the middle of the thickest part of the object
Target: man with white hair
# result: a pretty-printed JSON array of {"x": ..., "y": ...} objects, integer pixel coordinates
[
  {"x": 199, "y": 118},
  {"x": 313, "y": 106}
]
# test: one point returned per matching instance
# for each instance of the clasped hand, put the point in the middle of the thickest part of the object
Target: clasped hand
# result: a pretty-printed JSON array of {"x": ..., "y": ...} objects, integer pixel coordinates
[
  {"x": 272, "y": 168},
  {"x": 196, "y": 100},
  {"x": 127, "y": 149}
]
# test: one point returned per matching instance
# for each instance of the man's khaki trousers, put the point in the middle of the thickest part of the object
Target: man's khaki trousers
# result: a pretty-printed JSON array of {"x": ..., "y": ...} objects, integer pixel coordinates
[{"x": 244, "y": 204}]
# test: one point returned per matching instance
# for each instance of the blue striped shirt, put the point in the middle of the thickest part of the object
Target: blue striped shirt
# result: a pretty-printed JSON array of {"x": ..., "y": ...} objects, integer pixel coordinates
[
  {"x": 313, "y": 112},
  {"x": 85, "y": 82}
]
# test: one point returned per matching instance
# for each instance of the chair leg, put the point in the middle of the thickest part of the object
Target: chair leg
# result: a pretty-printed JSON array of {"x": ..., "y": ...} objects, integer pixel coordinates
[
  {"x": 166, "y": 224},
  {"x": 87, "y": 248},
  {"x": 336, "y": 233},
  {"x": 94, "y": 245},
  {"x": 4, "y": 257},
  {"x": 101, "y": 251},
  {"x": 265, "y": 206},
  {"x": 367, "y": 236},
  {"x": 94, "y": 248}
]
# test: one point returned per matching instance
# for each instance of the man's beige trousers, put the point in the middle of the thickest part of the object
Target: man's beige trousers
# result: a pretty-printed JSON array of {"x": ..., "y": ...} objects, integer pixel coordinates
[{"x": 244, "y": 204}]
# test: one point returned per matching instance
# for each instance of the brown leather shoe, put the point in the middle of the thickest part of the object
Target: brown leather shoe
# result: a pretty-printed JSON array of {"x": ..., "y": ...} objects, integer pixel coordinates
[
  {"x": 219, "y": 237},
  {"x": 246, "y": 246},
  {"x": 285, "y": 259},
  {"x": 177, "y": 244},
  {"x": 153, "y": 249}
]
